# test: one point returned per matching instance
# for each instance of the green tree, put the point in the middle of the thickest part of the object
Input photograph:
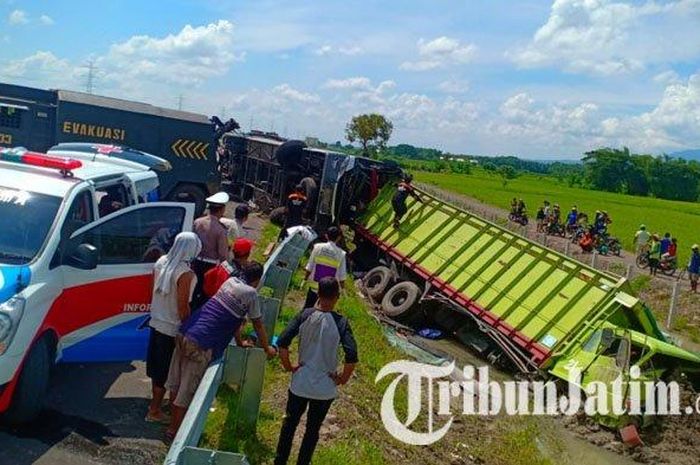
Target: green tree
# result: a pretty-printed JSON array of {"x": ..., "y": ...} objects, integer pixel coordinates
[
  {"x": 372, "y": 131},
  {"x": 507, "y": 172}
]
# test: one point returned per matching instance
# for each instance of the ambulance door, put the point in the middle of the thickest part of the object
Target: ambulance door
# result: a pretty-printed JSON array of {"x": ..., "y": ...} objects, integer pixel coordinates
[{"x": 107, "y": 269}]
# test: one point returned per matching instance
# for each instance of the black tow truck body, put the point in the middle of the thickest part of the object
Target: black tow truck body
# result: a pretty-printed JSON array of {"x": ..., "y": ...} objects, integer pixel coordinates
[{"x": 39, "y": 119}]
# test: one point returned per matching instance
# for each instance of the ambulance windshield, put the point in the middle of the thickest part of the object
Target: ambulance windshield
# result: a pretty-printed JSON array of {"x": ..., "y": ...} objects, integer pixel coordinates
[{"x": 25, "y": 220}]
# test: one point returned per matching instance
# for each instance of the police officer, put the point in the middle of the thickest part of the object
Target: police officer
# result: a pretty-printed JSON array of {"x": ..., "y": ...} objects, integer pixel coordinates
[{"x": 213, "y": 235}]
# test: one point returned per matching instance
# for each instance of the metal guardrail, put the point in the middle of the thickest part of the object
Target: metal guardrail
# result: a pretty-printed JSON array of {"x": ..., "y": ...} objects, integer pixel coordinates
[{"x": 242, "y": 369}]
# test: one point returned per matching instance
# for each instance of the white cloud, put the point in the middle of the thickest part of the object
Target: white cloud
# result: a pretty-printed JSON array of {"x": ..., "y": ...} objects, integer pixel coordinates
[
  {"x": 545, "y": 128},
  {"x": 673, "y": 124},
  {"x": 188, "y": 57},
  {"x": 17, "y": 17},
  {"x": 454, "y": 86},
  {"x": 359, "y": 82},
  {"x": 287, "y": 92},
  {"x": 608, "y": 37},
  {"x": 439, "y": 53},
  {"x": 326, "y": 50},
  {"x": 46, "y": 20},
  {"x": 667, "y": 77},
  {"x": 44, "y": 67}
]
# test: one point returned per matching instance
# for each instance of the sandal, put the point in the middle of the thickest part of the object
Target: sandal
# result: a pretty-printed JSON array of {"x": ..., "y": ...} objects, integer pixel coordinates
[{"x": 163, "y": 418}]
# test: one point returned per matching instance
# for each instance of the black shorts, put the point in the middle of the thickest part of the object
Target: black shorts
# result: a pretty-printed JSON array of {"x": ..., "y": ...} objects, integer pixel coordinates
[{"x": 160, "y": 351}]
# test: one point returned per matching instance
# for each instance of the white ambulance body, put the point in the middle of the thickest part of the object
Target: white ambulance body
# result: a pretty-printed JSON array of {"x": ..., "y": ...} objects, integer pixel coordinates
[{"x": 77, "y": 245}]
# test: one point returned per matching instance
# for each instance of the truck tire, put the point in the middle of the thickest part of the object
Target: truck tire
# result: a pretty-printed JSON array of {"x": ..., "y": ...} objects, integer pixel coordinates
[
  {"x": 32, "y": 385},
  {"x": 192, "y": 194},
  {"x": 377, "y": 281},
  {"x": 401, "y": 304}
]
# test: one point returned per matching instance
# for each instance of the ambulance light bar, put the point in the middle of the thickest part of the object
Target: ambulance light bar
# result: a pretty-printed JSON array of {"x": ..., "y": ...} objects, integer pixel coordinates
[{"x": 25, "y": 157}]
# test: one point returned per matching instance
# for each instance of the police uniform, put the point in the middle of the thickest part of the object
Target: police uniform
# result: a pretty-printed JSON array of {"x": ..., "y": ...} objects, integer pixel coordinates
[{"x": 214, "y": 237}]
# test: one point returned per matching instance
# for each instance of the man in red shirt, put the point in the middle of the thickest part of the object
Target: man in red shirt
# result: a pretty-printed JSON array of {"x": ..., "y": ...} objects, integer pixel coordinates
[{"x": 214, "y": 278}]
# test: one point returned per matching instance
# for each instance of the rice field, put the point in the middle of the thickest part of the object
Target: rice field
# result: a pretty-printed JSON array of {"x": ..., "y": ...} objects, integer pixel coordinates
[{"x": 681, "y": 219}]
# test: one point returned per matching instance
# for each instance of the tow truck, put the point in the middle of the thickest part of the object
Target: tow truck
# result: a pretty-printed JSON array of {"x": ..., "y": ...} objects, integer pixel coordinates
[{"x": 79, "y": 238}]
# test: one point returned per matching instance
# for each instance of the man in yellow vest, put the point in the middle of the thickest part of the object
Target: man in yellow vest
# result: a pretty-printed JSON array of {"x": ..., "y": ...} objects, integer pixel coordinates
[{"x": 327, "y": 260}]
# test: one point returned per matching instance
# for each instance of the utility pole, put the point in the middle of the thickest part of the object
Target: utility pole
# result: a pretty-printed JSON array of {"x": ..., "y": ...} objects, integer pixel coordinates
[
  {"x": 90, "y": 80},
  {"x": 179, "y": 102},
  {"x": 223, "y": 113},
  {"x": 250, "y": 127}
]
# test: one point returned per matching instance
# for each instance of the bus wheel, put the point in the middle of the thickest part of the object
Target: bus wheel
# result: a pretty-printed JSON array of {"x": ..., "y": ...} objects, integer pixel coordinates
[
  {"x": 192, "y": 194},
  {"x": 32, "y": 385},
  {"x": 377, "y": 281},
  {"x": 401, "y": 304}
]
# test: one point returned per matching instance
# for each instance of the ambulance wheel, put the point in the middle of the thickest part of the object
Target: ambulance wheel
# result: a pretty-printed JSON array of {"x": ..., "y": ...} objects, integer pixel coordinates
[
  {"x": 32, "y": 385},
  {"x": 377, "y": 281},
  {"x": 192, "y": 194},
  {"x": 401, "y": 304}
]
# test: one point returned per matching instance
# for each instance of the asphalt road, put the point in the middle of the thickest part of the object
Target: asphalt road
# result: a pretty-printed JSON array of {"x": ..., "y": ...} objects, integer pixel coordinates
[{"x": 94, "y": 415}]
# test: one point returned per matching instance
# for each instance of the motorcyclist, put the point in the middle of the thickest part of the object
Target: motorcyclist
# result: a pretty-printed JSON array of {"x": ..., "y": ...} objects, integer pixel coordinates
[
  {"x": 514, "y": 206},
  {"x": 641, "y": 239},
  {"x": 540, "y": 219},
  {"x": 694, "y": 268},
  {"x": 669, "y": 258},
  {"x": 555, "y": 218},
  {"x": 520, "y": 210},
  {"x": 572, "y": 218}
]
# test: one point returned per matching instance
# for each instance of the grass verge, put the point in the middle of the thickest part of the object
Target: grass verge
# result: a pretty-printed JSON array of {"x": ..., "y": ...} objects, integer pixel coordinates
[{"x": 353, "y": 433}]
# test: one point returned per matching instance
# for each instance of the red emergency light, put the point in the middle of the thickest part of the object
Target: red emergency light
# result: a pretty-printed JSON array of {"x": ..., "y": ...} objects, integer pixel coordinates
[{"x": 25, "y": 157}]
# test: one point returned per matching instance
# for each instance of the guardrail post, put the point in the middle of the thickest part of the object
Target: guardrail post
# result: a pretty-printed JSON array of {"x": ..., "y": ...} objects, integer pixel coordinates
[
  {"x": 593, "y": 259},
  {"x": 544, "y": 239},
  {"x": 244, "y": 372},
  {"x": 566, "y": 248},
  {"x": 674, "y": 302},
  {"x": 628, "y": 275}
]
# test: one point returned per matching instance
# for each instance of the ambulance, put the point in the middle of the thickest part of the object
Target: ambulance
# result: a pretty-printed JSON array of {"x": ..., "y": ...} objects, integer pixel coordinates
[{"x": 79, "y": 232}]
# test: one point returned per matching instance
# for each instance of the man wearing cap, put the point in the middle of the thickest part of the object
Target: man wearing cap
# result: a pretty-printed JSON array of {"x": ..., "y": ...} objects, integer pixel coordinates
[
  {"x": 215, "y": 277},
  {"x": 213, "y": 235},
  {"x": 327, "y": 259},
  {"x": 641, "y": 239},
  {"x": 694, "y": 268}
]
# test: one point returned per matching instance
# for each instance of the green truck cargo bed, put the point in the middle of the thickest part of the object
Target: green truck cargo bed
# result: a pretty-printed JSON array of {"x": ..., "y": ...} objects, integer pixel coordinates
[{"x": 538, "y": 298}]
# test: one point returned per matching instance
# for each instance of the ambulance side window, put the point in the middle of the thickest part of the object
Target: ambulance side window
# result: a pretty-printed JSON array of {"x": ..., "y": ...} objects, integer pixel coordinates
[
  {"x": 79, "y": 214},
  {"x": 139, "y": 236}
]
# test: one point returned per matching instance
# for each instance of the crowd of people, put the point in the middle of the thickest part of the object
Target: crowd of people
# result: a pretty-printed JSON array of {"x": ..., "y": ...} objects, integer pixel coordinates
[
  {"x": 205, "y": 289},
  {"x": 661, "y": 253}
]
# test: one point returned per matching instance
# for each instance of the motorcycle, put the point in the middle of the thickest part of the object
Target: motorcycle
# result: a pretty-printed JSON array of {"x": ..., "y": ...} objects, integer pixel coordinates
[
  {"x": 667, "y": 266},
  {"x": 556, "y": 229},
  {"x": 518, "y": 218},
  {"x": 609, "y": 244}
]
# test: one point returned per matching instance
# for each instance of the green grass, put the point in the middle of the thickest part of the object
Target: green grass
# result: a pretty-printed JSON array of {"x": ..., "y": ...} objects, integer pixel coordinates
[
  {"x": 360, "y": 438},
  {"x": 681, "y": 219}
]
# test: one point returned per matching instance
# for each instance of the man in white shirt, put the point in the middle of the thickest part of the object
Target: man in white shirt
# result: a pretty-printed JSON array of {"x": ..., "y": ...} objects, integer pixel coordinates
[
  {"x": 641, "y": 239},
  {"x": 327, "y": 260}
]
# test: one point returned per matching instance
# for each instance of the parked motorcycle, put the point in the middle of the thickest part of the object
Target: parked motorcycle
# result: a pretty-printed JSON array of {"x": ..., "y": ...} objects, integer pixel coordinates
[
  {"x": 518, "y": 218},
  {"x": 667, "y": 266}
]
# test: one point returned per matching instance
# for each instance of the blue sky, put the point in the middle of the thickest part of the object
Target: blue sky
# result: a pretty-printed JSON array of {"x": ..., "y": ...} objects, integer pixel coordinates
[{"x": 539, "y": 79}]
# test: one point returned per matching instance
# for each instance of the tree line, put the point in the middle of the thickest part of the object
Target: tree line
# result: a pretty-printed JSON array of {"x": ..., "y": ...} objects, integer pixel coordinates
[{"x": 606, "y": 169}]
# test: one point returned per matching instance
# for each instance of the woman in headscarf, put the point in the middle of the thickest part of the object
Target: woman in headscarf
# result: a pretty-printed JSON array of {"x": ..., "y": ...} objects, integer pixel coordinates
[{"x": 173, "y": 285}]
